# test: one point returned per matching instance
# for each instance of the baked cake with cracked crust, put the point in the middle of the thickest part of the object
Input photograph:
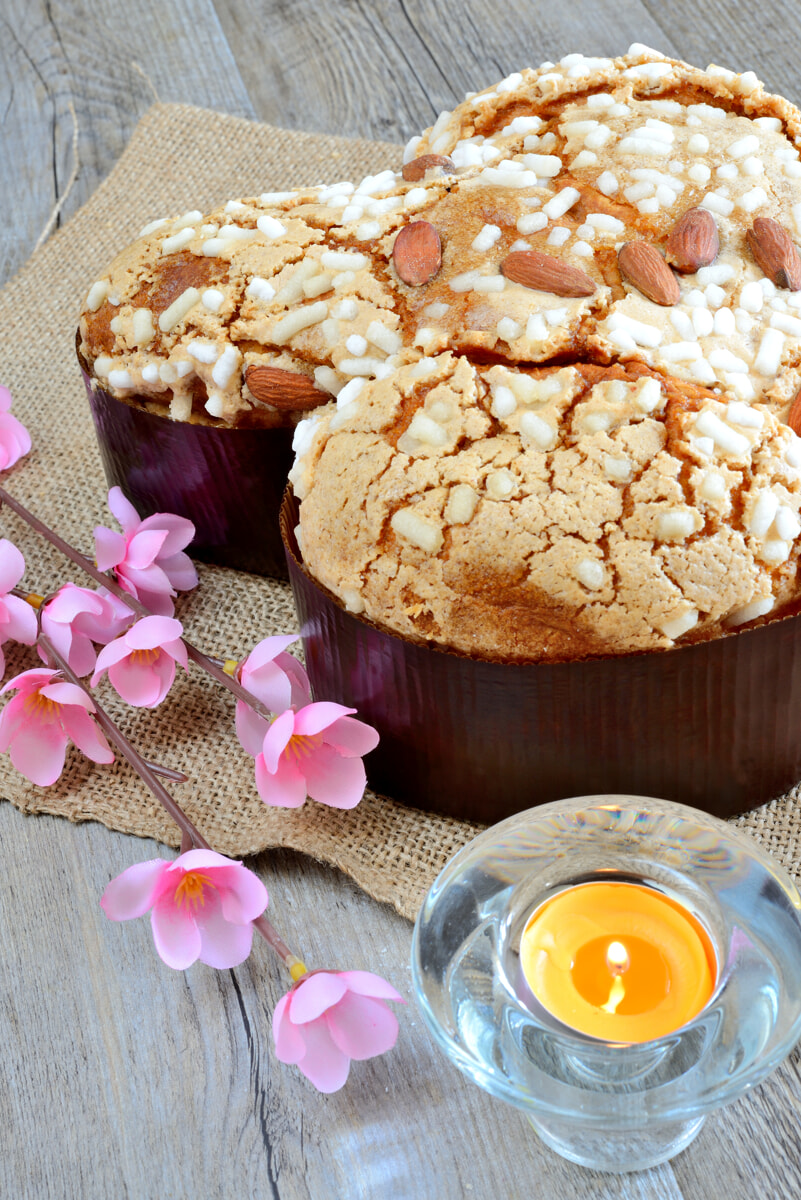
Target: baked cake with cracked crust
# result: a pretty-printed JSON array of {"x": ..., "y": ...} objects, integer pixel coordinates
[{"x": 563, "y": 344}]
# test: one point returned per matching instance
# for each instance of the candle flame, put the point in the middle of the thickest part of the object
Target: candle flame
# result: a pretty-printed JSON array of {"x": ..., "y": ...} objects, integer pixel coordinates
[{"x": 617, "y": 958}]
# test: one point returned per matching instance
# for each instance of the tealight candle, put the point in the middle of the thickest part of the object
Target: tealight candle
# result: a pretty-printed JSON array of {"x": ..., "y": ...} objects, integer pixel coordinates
[{"x": 619, "y": 961}]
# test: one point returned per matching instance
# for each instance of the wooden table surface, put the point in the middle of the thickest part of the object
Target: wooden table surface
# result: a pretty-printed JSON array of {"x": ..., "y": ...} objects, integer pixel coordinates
[{"x": 123, "y": 1078}]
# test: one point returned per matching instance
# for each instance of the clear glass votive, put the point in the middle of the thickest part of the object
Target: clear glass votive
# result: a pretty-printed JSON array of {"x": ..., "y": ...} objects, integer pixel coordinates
[{"x": 607, "y": 1105}]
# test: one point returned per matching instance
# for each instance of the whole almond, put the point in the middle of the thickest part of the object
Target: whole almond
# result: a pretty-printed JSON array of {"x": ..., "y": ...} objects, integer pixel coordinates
[
  {"x": 776, "y": 253},
  {"x": 417, "y": 253},
  {"x": 414, "y": 171},
  {"x": 285, "y": 390},
  {"x": 793, "y": 418},
  {"x": 644, "y": 267},
  {"x": 546, "y": 273},
  {"x": 693, "y": 241}
]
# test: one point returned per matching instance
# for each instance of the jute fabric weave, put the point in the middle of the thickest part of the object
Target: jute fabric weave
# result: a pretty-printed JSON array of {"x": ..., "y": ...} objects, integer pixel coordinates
[{"x": 183, "y": 158}]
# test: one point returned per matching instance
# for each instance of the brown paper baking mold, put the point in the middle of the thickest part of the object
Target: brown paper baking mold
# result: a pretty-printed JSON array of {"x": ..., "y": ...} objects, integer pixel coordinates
[
  {"x": 712, "y": 725},
  {"x": 228, "y": 482}
]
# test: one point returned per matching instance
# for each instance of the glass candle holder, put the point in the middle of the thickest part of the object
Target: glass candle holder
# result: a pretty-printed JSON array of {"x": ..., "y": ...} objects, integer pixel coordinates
[{"x": 612, "y": 1106}]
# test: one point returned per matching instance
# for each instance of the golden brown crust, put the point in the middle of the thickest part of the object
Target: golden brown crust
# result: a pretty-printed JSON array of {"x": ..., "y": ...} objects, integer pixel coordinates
[{"x": 611, "y": 476}]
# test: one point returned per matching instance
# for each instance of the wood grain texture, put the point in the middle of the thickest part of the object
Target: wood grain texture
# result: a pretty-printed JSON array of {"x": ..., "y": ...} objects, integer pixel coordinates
[
  {"x": 123, "y": 1078},
  {"x": 386, "y": 68},
  {"x": 95, "y": 68}
]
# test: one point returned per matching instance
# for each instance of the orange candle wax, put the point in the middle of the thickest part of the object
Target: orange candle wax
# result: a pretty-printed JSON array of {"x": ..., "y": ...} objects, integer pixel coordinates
[{"x": 619, "y": 961}]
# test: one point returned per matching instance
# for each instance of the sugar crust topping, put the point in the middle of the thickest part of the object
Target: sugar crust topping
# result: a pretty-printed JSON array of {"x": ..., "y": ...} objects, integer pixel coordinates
[{"x": 503, "y": 468}]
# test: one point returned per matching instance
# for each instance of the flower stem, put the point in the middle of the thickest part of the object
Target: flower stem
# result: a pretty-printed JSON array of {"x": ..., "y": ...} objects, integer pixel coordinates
[
  {"x": 191, "y": 837},
  {"x": 211, "y": 666}
]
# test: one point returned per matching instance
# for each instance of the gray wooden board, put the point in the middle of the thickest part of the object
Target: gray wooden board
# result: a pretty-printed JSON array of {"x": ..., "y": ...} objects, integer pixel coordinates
[{"x": 123, "y": 1078}]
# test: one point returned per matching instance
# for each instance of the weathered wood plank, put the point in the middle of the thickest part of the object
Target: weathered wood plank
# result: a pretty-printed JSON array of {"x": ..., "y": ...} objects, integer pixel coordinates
[
  {"x": 95, "y": 68},
  {"x": 126, "y": 1079},
  {"x": 762, "y": 38},
  {"x": 385, "y": 69}
]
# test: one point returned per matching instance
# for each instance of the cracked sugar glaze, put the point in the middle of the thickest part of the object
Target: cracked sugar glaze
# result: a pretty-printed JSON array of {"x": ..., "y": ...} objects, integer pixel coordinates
[{"x": 539, "y": 432}]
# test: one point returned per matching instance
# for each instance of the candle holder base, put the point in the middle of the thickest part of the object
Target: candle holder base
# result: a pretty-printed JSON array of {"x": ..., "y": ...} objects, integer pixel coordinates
[
  {"x": 635, "y": 1150},
  {"x": 612, "y": 1106}
]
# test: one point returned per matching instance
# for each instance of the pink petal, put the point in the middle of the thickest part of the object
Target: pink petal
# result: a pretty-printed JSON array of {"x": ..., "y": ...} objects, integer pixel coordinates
[
  {"x": 180, "y": 570},
  {"x": 289, "y": 1044},
  {"x": 38, "y": 752},
  {"x": 301, "y": 688},
  {"x": 67, "y": 694},
  {"x": 283, "y": 788},
  {"x": 121, "y": 508},
  {"x": 250, "y": 729},
  {"x": 277, "y": 738},
  {"x": 70, "y": 601},
  {"x": 115, "y": 618},
  {"x": 143, "y": 548},
  {"x": 177, "y": 651},
  {"x": 87, "y": 736},
  {"x": 14, "y": 440},
  {"x": 109, "y": 548},
  {"x": 269, "y": 684},
  {"x": 179, "y": 530},
  {"x": 351, "y": 738},
  {"x": 21, "y": 624},
  {"x": 131, "y": 894},
  {"x": 334, "y": 780},
  {"x": 149, "y": 632},
  {"x": 267, "y": 650},
  {"x": 175, "y": 934},
  {"x": 323, "y": 1064},
  {"x": 147, "y": 584},
  {"x": 222, "y": 944},
  {"x": 113, "y": 653},
  {"x": 365, "y": 983},
  {"x": 143, "y": 684},
  {"x": 77, "y": 649},
  {"x": 245, "y": 899},
  {"x": 159, "y": 603},
  {"x": 203, "y": 860},
  {"x": 12, "y": 566},
  {"x": 314, "y": 718},
  {"x": 362, "y": 1026},
  {"x": 29, "y": 681},
  {"x": 13, "y": 715},
  {"x": 314, "y": 995}
]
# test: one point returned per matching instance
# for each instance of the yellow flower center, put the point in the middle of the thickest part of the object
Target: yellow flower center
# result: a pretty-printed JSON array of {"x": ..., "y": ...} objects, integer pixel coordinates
[
  {"x": 40, "y": 708},
  {"x": 303, "y": 745},
  {"x": 190, "y": 889},
  {"x": 144, "y": 658}
]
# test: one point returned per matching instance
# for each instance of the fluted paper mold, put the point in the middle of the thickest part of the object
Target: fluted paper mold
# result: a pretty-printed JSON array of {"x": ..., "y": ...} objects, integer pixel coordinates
[
  {"x": 229, "y": 482},
  {"x": 713, "y": 725}
]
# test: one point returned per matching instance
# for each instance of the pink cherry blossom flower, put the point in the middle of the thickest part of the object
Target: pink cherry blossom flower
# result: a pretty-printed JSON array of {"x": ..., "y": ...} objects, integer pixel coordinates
[
  {"x": 275, "y": 678},
  {"x": 17, "y": 618},
  {"x": 76, "y": 618},
  {"x": 38, "y": 723},
  {"x": 203, "y": 906},
  {"x": 316, "y": 751},
  {"x": 147, "y": 556},
  {"x": 15, "y": 441},
  {"x": 141, "y": 663},
  {"x": 331, "y": 1017}
]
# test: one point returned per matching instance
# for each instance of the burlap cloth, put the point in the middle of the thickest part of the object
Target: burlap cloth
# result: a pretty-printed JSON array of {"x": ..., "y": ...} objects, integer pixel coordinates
[{"x": 181, "y": 158}]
